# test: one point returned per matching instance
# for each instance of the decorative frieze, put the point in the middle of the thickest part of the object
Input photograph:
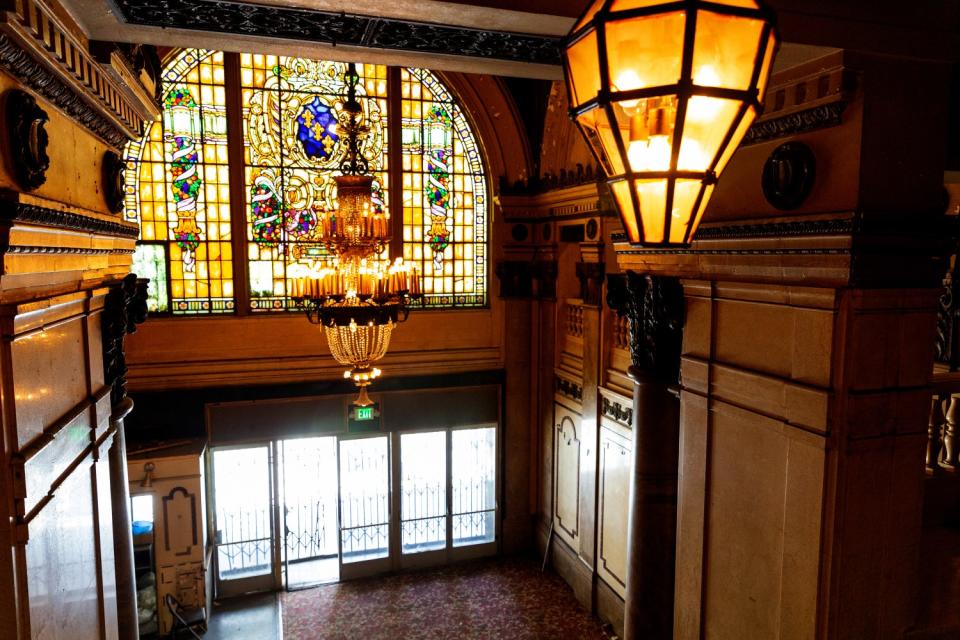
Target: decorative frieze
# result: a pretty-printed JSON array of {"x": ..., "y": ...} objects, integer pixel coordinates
[
  {"x": 616, "y": 411},
  {"x": 819, "y": 117},
  {"x": 342, "y": 29},
  {"x": 27, "y": 133},
  {"x": 798, "y": 104},
  {"x": 569, "y": 388},
  {"x": 41, "y": 52},
  {"x": 12, "y": 210}
]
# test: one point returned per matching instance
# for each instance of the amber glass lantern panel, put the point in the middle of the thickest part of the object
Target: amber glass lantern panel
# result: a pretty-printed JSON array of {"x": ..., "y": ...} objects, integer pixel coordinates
[
  {"x": 725, "y": 52},
  {"x": 600, "y": 135},
  {"x": 584, "y": 76},
  {"x": 645, "y": 52},
  {"x": 706, "y": 125}
]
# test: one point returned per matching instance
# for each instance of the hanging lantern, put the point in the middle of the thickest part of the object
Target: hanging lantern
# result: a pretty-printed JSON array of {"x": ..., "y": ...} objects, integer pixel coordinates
[{"x": 664, "y": 92}]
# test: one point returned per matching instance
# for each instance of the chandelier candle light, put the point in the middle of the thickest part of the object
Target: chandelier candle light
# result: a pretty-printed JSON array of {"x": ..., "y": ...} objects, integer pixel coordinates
[
  {"x": 663, "y": 92},
  {"x": 359, "y": 297}
]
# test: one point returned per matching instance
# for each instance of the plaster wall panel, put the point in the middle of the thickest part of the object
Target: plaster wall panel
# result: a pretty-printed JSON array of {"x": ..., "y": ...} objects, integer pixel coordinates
[
  {"x": 759, "y": 473},
  {"x": 697, "y": 326},
  {"x": 805, "y": 475},
  {"x": 614, "y": 493},
  {"x": 882, "y": 326},
  {"x": 739, "y": 196},
  {"x": 43, "y": 468},
  {"x": 691, "y": 514},
  {"x": 794, "y": 403},
  {"x": 878, "y": 536},
  {"x": 50, "y": 376},
  {"x": 95, "y": 348},
  {"x": 75, "y": 160},
  {"x": 516, "y": 433},
  {"x": 567, "y": 483},
  {"x": 108, "y": 575},
  {"x": 790, "y": 342},
  {"x": 62, "y": 565}
]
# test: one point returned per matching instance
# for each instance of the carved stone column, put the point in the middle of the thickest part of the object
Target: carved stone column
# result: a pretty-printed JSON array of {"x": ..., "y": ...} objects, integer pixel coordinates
[
  {"x": 655, "y": 307},
  {"x": 124, "y": 308}
]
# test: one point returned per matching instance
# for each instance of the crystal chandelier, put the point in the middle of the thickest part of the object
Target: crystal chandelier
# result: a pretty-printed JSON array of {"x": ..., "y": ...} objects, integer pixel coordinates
[{"x": 358, "y": 297}]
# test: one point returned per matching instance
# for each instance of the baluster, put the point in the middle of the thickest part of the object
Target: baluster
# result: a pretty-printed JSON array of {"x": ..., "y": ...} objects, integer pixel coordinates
[
  {"x": 950, "y": 433},
  {"x": 934, "y": 436}
]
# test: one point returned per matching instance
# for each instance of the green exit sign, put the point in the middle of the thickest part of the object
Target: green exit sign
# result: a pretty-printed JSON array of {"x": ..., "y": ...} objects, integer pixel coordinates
[{"x": 363, "y": 419}]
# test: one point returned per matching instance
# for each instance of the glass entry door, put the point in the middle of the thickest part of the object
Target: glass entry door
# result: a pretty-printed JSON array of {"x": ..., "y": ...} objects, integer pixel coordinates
[
  {"x": 364, "y": 506},
  {"x": 310, "y": 546},
  {"x": 243, "y": 523}
]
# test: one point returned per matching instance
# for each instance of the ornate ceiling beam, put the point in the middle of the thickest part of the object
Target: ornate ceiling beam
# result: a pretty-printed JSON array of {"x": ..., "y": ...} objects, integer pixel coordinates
[{"x": 457, "y": 38}]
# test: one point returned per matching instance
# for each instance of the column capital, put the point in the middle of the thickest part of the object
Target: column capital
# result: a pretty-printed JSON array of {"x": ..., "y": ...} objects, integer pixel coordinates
[{"x": 655, "y": 306}]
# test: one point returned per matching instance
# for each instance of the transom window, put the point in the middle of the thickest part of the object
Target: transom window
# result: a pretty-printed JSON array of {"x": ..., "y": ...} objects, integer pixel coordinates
[{"x": 229, "y": 184}]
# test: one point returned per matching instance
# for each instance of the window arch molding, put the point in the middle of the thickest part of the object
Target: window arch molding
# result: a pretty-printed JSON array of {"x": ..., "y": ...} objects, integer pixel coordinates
[{"x": 197, "y": 192}]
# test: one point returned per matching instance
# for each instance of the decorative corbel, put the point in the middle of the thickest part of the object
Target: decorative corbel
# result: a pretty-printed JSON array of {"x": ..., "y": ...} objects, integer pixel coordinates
[
  {"x": 516, "y": 278},
  {"x": 26, "y": 128},
  {"x": 655, "y": 306},
  {"x": 124, "y": 308},
  {"x": 112, "y": 177},
  {"x": 532, "y": 279},
  {"x": 591, "y": 275}
]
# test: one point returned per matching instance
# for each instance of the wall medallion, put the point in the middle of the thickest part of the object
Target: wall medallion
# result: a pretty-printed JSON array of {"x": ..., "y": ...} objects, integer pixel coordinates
[
  {"x": 592, "y": 228},
  {"x": 112, "y": 178},
  {"x": 788, "y": 175},
  {"x": 519, "y": 232},
  {"x": 26, "y": 128}
]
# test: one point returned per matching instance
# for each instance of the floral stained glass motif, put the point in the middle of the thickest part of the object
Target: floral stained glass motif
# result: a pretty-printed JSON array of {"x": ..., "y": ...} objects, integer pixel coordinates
[
  {"x": 177, "y": 189},
  {"x": 178, "y": 180},
  {"x": 293, "y": 150},
  {"x": 444, "y": 194}
]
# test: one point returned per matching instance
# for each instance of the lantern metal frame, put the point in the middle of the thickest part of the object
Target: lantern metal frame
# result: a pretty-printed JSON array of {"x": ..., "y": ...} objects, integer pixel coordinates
[{"x": 684, "y": 89}]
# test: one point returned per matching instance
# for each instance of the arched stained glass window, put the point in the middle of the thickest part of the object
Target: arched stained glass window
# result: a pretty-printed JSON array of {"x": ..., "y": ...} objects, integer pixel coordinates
[
  {"x": 209, "y": 248},
  {"x": 444, "y": 193},
  {"x": 178, "y": 190}
]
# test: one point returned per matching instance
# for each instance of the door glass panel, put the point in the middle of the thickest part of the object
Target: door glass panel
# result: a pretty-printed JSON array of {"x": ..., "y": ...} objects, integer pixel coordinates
[
  {"x": 241, "y": 485},
  {"x": 364, "y": 499},
  {"x": 423, "y": 486},
  {"x": 310, "y": 510},
  {"x": 473, "y": 482}
]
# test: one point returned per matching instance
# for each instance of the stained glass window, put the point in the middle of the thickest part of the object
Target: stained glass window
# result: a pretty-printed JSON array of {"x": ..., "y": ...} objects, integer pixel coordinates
[
  {"x": 292, "y": 151},
  {"x": 178, "y": 191},
  {"x": 444, "y": 194},
  {"x": 178, "y": 179}
]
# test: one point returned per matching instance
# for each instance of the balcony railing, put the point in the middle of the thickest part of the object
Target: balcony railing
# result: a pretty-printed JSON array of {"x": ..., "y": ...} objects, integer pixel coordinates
[{"x": 244, "y": 534}]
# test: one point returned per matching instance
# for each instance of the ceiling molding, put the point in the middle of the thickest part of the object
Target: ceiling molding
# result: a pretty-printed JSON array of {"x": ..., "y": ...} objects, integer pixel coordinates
[{"x": 339, "y": 30}]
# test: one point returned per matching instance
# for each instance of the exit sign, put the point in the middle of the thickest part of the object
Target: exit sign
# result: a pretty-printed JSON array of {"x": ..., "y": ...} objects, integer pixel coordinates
[{"x": 363, "y": 419}]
